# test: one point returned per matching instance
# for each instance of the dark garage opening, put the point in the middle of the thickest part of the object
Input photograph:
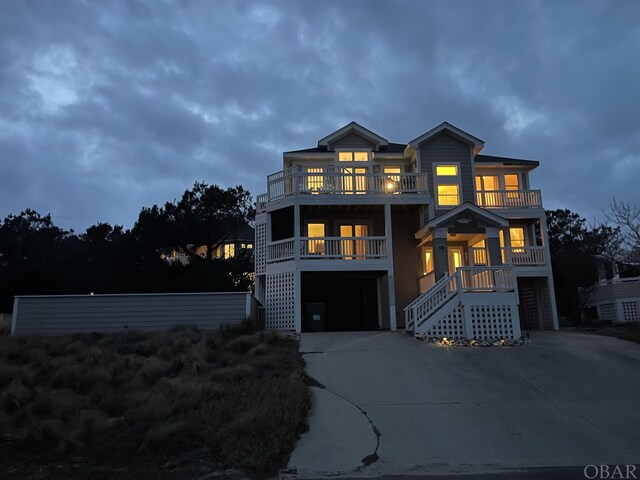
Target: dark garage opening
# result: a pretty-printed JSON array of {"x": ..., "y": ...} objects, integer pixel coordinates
[{"x": 339, "y": 301}]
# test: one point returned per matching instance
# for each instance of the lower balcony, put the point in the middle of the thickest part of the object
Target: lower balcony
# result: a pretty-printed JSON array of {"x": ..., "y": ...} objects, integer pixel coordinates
[
  {"x": 529, "y": 256},
  {"x": 327, "y": 248}
]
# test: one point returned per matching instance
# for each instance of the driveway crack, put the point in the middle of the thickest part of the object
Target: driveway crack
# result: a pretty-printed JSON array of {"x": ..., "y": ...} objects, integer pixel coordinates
[{"x": 372, "y": 457}]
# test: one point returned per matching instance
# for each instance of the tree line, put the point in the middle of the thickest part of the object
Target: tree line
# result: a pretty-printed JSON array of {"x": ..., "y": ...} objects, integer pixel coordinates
[
  {"x": 39, "y": 258},
  {"x": 582, "y": 252}
]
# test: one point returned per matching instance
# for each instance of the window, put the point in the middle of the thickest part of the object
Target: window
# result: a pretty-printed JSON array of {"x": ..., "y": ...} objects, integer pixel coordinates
[
  {"x": 511, "y": 181},
  {"x": 392, "y": 179},
  {"x": 315, "y": 182},
  {"x": 353, "y": 156},
  {"x": 447, "y": 180},
  {"x": 315, "y": 230},
  {"x": 486, "y": 184},
  {"x": 353, "y": 245},
  {"x": 516, "y": 235},
  {"x": 448, "y": 195},
  {"x": 478, "y": 252},
  {"x": 428, "y": 260},
  {"x": 354, "y": 180},
  {"x": 512, "y": 185},
  {"x": 447, "y": 170},
  {"x": 229, "y": 250}
]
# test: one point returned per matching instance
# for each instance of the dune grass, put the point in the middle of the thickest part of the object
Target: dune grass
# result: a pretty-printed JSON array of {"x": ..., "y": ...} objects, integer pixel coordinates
[{"x": 175, "y": 404}]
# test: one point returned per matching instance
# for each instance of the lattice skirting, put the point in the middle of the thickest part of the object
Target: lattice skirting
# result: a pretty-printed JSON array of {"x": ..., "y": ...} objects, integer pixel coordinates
[
  {"x": 260, "y": 251},
  {"x": 484, "y": 322},
  {"x": 451, "y": 326},
  {"x": 280, "y": 301},
  {"x": 620, "y": 311},
  {"x": 493, "y": 321},
  {"x": 631, "y": 311}
]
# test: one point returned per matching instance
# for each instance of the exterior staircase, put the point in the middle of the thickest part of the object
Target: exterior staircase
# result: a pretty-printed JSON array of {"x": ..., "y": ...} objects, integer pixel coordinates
[{"x": 474, "y": 302}]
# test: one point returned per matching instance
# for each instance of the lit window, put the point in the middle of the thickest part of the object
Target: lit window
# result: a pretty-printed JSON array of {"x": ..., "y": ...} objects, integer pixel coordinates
[
  {"x": 392, "y": 179},
  {"x": 516, "y": 234},
  {"x": 349, "y": 247},
  {"x": 354, "y": 180},
  {"x": 229, "y": 250},
  {"x": 353, "y": 156},
  {"x": 447, "y": 185},
  {"x": 511, "y": 182},
  {"x": 315, "y": 246},
  {"x": 486, "y": 185},
  {"x": 448, "y": 195},
  {"x": 314, "y": 182},
  {"x": 428, "y": 261},
  {"x": 447, "y": 170}
]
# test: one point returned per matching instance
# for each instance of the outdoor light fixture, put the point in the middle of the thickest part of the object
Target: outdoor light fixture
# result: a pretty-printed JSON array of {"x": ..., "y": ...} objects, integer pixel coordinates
[{"x": 390, "y": 185}]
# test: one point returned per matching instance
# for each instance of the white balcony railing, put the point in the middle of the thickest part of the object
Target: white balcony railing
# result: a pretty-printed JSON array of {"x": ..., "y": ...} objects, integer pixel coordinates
[
  {"x": 261, "y": 203},
  {"x": 327, "y": 248},
  {"x": 489, "y": 279},
  {"x": 426, "y": 281},
  {"x": 524, "y": 255},
  {"x": 509, "y": 198},
  {"x": 281, "y": 251},
  {"x": 290, "y": 181}
]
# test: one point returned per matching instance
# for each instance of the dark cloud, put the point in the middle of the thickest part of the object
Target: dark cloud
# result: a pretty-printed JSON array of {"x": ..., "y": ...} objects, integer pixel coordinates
[{"x": 106, "y": 107}]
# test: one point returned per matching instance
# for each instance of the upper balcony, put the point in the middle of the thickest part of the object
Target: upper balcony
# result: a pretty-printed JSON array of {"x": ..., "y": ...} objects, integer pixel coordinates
[
  {"x": 297, "y": 181},
  {"x": 509, "y": 198}
]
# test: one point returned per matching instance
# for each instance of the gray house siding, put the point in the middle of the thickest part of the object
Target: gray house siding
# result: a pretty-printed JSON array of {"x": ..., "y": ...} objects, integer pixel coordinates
[
  {"x": 352, "y": 140},
  {"x": 445, "y": 148},
  {"x": 614, "y": 291},
  {"x": 70, "y": 314},
  {"x": 407, "y": 264}
]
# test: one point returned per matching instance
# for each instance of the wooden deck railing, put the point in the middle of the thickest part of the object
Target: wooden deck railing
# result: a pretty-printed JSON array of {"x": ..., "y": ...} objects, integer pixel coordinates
[
  {"x": 326, "y": 248},
  {"x": 291, "y": 181},
  {"x": 509, "y": 198}
]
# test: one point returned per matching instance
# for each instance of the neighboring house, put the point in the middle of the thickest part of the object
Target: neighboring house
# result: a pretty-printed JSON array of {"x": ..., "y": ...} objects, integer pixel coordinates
[
  {"x": 359, "y": 233},
  {"x": 616, "y": 299},
  {"x": 244, "y": 239}
]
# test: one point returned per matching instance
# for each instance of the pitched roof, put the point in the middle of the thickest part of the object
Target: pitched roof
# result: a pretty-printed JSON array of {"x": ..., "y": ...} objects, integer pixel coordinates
[
  {"x": 453, "y": 131},
  {"x": 389, "y": 148},
  {"x": 352, "y": 127}
]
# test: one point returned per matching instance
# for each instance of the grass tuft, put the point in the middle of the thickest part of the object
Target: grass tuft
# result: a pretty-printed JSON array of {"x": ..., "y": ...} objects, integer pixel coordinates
[{"x": 231, "y": 399}]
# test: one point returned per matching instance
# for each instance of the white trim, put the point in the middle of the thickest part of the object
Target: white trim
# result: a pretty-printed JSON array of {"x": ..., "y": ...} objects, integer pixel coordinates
[
  {"x": 461, "y": 134},
  {"x": 436, "y": 183},
  {"x": 355, "y": 128},
  {"x": 433, "y": 223}
]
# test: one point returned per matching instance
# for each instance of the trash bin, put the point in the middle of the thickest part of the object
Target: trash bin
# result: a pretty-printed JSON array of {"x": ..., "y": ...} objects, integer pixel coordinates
[{"x": 315, "y": 316}]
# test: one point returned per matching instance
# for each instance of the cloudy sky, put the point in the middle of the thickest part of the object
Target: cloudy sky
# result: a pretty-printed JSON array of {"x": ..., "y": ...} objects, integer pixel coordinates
[{"x": 106, "y": 107}]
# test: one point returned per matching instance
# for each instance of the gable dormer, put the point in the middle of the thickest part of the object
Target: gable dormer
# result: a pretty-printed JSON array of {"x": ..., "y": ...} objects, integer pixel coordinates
[
  {"x": 445, "y": 153},
  {"x": 353, "y": 135}
]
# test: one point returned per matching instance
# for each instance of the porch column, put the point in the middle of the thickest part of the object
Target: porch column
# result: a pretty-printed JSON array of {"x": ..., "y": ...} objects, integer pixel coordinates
[
  {"x": 388, "y": 231},
  {"x": 547, "y": 258},
  {"x": 440, "y": 252},
  {"x": 493, "y": 246},
  {"x": 297, "y": 276},
  {"x": 296, "y": 231}
]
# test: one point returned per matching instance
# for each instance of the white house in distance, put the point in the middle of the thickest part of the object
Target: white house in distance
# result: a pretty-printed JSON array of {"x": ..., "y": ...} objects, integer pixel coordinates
[{"x": 359, "y": 233}]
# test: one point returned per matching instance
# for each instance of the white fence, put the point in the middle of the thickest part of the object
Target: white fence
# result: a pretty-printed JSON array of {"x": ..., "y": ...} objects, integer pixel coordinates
[{"x": 71, "y": 314}]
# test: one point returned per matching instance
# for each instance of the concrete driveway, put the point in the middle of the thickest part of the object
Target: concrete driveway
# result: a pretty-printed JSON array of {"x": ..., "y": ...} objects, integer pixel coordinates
[{"x": 396, "y": 405}]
